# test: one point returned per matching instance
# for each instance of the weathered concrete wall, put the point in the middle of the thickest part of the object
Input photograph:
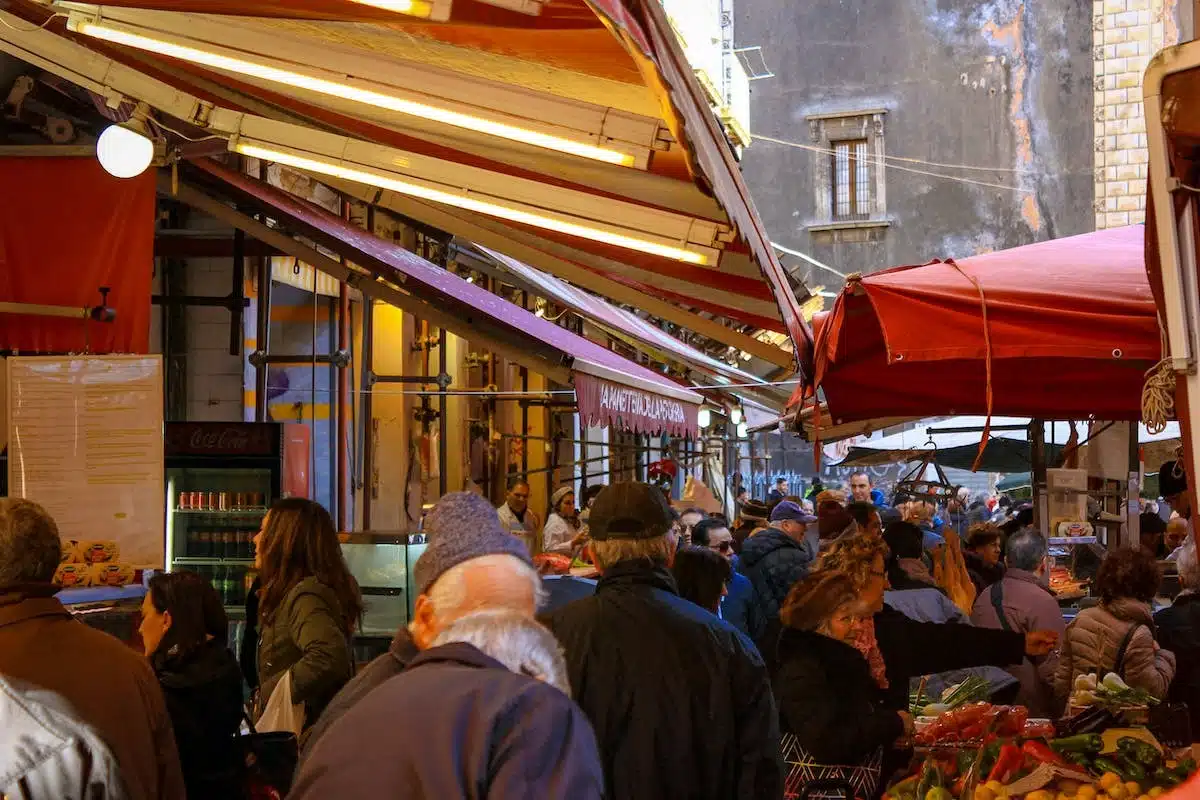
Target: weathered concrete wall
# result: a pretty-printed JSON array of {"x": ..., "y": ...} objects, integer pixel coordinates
[{"x": 1002, "y": 84}]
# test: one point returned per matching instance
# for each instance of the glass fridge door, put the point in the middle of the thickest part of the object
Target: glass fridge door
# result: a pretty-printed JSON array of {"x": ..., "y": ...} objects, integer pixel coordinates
[{"x": 213, "y": 514}]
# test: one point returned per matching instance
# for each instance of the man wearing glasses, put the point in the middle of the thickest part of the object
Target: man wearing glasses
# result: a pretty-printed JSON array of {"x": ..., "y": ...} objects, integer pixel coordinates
[{"x": 715, "y": 535}]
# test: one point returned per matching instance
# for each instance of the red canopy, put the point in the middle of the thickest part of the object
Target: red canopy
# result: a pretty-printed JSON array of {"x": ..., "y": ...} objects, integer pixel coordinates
[{"x": 1071, "y": 329}]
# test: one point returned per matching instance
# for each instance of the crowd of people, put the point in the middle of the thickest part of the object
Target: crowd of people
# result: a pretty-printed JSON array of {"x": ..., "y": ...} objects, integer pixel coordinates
[{"x": 710, "y": 659}]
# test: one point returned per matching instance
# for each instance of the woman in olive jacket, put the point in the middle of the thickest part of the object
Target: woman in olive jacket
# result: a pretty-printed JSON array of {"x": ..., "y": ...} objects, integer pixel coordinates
[{"x": 309, "y": 605}]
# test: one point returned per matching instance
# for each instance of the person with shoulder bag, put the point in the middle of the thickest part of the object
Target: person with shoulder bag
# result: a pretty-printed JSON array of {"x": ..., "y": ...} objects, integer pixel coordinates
[
  {"x": 308, "y": 608},
  {"x": 1118, "y": 635}
]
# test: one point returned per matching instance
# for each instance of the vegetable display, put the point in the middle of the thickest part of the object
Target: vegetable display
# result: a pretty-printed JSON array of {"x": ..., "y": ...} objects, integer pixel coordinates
[
  {"x": 984, "y": 752},
  {"x": 1110, "y": 692},
  {"x": 971, "y": 690}
]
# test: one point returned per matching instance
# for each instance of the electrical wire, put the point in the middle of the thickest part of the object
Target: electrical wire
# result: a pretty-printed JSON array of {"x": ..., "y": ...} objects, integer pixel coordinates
[
  {"x": 885, "y": 165},
  {"x": 518, "y": 393},
  {"x": 12, "y": 27},
  {"x": 921, "y": 161}
]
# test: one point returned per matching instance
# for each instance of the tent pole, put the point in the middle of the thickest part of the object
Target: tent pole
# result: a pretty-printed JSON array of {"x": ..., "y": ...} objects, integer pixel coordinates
[{"x": 1041, "y": 500}]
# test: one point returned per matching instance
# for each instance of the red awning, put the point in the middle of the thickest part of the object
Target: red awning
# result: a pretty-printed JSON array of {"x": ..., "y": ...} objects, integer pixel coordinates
[
  {"x": 604, "y": 313},
  {"x": 618, "y": 53},
  {"x": 611, "y": 388},
  {"x": 1071, "y": 330}
]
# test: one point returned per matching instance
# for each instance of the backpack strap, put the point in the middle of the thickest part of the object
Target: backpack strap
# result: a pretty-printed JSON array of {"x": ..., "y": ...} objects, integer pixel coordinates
[
  {"x": 996, "y": 593},
  {"x": 1119, "y": 665}
]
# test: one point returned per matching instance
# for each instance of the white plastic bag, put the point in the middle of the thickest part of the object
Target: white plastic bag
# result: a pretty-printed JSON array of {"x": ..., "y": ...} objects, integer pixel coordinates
[{"x": 281, "y": 714}]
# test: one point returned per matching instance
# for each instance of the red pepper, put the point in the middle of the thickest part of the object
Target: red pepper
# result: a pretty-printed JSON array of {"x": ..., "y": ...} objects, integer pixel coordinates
[
  {"x": 1007, "y": 763},
  {"x": 1041, "y": 753}
]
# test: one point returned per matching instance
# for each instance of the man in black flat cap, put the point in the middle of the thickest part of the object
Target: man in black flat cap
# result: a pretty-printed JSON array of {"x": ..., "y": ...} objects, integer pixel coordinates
[{"x": 679, "y": 699}]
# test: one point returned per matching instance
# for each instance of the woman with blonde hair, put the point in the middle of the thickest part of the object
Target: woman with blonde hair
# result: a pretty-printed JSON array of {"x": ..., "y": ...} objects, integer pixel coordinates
[
  {"x": 899, "y": 648},
  {"x": 828, "y": 700},
  {"x": 309, "y": 606}
]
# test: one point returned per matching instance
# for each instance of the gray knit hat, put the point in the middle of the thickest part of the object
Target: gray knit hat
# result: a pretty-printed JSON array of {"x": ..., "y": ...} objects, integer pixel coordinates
[{"x": 462, "y": 526}]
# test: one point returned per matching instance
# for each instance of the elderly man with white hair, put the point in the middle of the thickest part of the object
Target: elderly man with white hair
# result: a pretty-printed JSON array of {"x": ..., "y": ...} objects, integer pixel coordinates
[
  {"x": 1179, "y": 631},
  {"x": 484, "y": 712},
  {"x": 471, "y": 563}
]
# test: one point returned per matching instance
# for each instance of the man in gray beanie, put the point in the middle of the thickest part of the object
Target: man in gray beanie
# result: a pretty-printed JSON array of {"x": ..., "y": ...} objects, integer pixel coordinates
[{"x": 470, "y": 563}]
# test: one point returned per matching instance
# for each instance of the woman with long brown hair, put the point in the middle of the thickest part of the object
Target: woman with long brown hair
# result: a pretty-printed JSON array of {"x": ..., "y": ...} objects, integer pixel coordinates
[{"x": 309, "y": 605}]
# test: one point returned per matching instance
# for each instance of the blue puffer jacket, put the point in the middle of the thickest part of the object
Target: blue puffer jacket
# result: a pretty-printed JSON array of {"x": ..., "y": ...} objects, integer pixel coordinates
[{"x": 773, "y": 561}]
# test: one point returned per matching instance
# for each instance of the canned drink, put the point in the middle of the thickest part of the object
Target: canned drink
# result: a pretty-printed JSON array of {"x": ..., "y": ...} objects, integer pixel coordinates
[
  {"x": 256, "y": 499},
  {"x": 185, "y": 500},
  {"x": 239, "y": 500},
  {"x": 210, "y": 501},
  {"x": 223, "y": 501}
]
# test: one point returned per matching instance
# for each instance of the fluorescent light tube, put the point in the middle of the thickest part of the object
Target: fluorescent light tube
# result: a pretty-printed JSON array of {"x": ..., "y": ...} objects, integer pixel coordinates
[
  {"x": 331, "y": 84},
  {"x": 514, "y": 212}
]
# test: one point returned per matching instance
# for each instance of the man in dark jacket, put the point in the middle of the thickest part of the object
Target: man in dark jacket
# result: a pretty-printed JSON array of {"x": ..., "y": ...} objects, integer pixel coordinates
[
  {"x": 774, "y": 560},
  {"x": 1179, "y": 625},
  {"x": 680, "y": 700},
  {"x": 471, "y": 562},
  {"x": 490, "y": 697}
]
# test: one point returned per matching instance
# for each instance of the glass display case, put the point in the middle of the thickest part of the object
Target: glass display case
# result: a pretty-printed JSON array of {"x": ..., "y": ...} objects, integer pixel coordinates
[{"x": 382, "y": 563}]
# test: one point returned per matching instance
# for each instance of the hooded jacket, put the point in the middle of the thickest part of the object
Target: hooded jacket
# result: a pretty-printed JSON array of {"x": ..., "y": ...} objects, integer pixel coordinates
[
  {"x": 456, "y": 724},
  {"x": 204, "y": 699},
  {"x": 1094, "y": 638},
  {"x": 680, "y": 701},
  {"x": 828, "y": 699},
  {"x": 774, "y": 562},
  {"x": 46, "y": 751}
]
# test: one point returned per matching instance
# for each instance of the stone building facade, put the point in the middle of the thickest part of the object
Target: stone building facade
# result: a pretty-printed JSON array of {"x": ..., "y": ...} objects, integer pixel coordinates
[{"x": 1126, "y": 34}]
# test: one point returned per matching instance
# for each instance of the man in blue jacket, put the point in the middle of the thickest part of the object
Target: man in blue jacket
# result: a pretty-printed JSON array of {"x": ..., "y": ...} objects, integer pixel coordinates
[
  {"x": 715, "y": 535},
  {"x": 775, "y": 559}
]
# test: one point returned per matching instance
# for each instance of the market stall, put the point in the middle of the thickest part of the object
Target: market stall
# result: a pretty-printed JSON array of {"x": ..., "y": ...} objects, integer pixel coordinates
[{"x": 1115, "y": 744}]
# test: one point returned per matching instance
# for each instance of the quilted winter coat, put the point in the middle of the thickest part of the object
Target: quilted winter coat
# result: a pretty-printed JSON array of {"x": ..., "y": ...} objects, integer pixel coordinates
[{"x": 1094, "y": 638}]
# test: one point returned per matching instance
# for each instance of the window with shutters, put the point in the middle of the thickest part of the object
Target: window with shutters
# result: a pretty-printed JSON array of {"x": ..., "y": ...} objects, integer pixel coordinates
[
  {"x": 851, "y": 180},
  {"x": 848, "y": 170}
]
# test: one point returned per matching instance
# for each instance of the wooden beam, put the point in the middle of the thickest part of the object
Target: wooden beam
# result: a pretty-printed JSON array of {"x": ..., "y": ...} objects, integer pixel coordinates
[
  {"x": 208, "y": 247},
  {"x": 544, "y": 360}
]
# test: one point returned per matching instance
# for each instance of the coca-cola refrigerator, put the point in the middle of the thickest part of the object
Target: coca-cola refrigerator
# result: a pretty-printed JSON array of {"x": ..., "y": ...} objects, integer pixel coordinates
[{"x": 221, "y": 479}]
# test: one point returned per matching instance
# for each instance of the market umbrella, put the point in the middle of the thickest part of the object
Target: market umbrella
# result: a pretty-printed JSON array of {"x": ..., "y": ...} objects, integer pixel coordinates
[
  {"x": 1063, "y": 329},
  {"x": 1007, "y": 450}
]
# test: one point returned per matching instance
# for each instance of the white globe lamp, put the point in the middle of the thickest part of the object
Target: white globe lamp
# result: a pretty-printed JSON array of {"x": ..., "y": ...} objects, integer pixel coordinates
[
  {"x": 704, "y": 418},
  {"x": 743, "y": 430},
  {"x": 735, "y": 416},
  {"x": 124, "y": 153}
]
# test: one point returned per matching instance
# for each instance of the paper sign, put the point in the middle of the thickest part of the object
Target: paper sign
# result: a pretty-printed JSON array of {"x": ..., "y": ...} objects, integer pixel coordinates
[{"x": 86, "y": 442}]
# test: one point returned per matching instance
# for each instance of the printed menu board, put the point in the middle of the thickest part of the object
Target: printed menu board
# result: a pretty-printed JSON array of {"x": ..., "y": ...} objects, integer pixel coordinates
[{"x": 86, "y": 442}]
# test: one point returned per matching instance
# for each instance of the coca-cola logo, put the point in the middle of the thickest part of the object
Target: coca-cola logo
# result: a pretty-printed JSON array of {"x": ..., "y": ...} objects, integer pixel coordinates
[
  {"x": 216, "y": 438},
  {"x": 224, "y": 439}
]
